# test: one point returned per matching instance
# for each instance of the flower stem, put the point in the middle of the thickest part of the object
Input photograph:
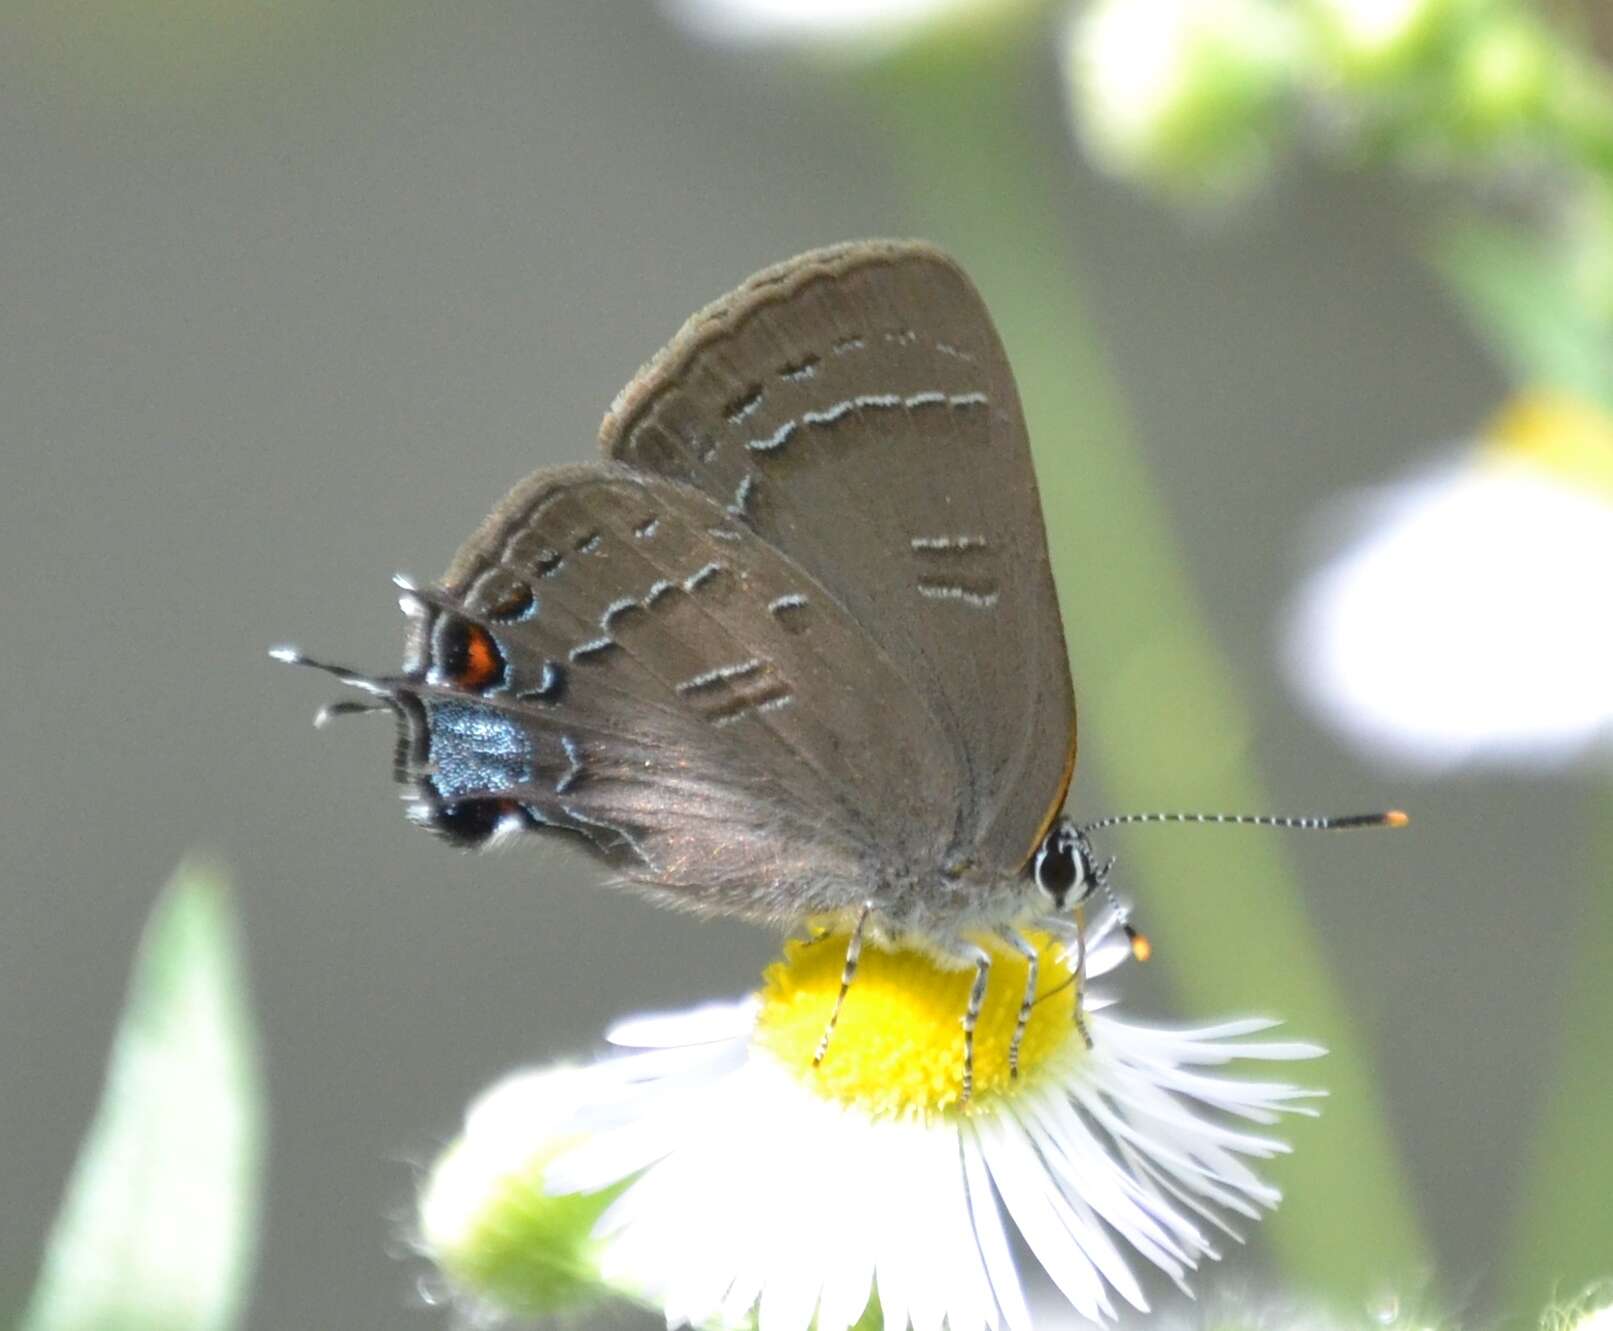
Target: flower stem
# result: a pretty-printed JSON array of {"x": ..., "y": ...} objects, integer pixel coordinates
[
  {"x": 978, "y": 161},
  {"x": 1563, "y": 1239}
]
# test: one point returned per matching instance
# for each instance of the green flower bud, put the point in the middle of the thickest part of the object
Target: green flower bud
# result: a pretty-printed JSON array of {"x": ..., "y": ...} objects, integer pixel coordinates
[{"x": 486, "y": 1218}]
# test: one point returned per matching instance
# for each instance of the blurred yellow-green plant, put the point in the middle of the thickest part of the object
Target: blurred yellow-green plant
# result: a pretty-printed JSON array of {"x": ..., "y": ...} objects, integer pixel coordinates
[
  {"x": 1504, "y": 104},
  {"x": 158, "y": 1227}
]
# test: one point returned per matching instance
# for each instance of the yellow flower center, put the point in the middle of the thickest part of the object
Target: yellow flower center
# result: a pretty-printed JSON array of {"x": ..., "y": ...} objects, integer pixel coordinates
[
  {"x": 1570, "y": 438},
  {"x": 897, "y": 1048}
]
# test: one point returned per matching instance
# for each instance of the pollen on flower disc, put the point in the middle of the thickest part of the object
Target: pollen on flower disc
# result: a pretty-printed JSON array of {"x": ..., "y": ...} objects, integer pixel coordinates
[{"x": 897, "y": 1049}]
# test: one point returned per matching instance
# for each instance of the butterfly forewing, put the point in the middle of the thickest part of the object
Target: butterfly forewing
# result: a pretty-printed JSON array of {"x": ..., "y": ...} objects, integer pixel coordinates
[{"x": 854, "y": 409}]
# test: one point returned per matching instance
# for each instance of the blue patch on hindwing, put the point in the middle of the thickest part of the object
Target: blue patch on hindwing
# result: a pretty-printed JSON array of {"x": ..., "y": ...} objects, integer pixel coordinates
[{"x": 476, "y": 750}]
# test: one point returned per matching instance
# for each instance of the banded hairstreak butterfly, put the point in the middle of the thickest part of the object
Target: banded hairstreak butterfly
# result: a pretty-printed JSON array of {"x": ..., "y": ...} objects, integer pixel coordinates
[{"x": 792, "y": 650}]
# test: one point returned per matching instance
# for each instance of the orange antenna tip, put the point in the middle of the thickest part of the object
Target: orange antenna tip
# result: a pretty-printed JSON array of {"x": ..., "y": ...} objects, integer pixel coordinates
[{"x": 1396, "y": 818}]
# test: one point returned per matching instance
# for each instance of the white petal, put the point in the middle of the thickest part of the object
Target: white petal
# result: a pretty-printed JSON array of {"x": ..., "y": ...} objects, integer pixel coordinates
[
  {"x": 530, "y": 1102},
  {"x": 706, "y": 1024},
  {"x": 1047, "y": 1228},
  {"x": 1167, "y": 1118},
  {"x": 789, "y": 1297},
  {"x": 1107, "y": 956},
  {"x": 956, "y": 1251},
  {"x": 936, "y": 1211},
  {"x": 890, "y": 1275},
  {"x": 848, "y": 1279},
  {"x": 607, "y": 1157},
  {"x": 754, "y": 21},
  {"x": 1083, "y": 1167},
  {"x": 1205, "y": 1044},
  {"x": 1076, "y": 1196},
  {"x": 1010, "y": 1294},
  {"x": 1185, "y": 1146}
]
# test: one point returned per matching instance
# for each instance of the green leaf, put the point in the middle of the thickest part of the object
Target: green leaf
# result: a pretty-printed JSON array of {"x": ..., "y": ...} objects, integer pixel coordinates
[{"x": 157, "y": 1226}]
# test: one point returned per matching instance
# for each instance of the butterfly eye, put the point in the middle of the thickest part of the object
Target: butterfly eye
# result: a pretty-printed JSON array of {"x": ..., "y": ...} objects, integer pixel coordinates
[{"x": 1060, "y": 864}]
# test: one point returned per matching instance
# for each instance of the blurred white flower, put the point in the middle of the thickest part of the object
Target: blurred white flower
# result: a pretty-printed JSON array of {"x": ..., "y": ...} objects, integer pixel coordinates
[
  {"x": 876, "y": 23},
  {"x": 747, "y": 1182},
  {"x": 1180, "y": 92},
  {"x": 1471, "y": 617}
]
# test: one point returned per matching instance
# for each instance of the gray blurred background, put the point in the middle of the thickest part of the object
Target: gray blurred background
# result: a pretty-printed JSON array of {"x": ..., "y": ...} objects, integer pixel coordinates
[{"x": 292, "y": 294}]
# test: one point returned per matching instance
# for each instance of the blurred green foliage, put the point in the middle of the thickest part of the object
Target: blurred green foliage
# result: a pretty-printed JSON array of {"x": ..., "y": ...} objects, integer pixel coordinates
[{"x": 1505, "y": 104}]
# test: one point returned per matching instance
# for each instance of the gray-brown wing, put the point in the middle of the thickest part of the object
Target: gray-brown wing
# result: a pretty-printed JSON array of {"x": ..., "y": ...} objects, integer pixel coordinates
[
  {"x": 612, "y": 654},
  {"x": 854, "y": 409}
]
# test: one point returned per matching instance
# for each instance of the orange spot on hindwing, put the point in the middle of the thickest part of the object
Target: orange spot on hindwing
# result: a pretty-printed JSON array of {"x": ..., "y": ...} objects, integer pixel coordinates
[{"x": 466, "y": 655}]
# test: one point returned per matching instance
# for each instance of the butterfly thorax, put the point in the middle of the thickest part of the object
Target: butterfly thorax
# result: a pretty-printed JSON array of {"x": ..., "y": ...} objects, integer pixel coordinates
[{"x": 952, "y": 910}]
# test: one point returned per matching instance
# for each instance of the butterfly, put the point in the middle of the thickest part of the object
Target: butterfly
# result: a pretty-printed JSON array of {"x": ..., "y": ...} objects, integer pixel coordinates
[{"x": 792, "y": 650}]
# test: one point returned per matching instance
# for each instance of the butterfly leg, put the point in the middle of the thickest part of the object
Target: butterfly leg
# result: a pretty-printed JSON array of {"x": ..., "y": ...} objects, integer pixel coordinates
[
  {"x": 1074, "y": 931},
  {"x": 971, "y": 1016},
  {"x": 1081, "y": 977},
  {"x": 854, "y": 951},
  {"x": 1021, "y": 945}
]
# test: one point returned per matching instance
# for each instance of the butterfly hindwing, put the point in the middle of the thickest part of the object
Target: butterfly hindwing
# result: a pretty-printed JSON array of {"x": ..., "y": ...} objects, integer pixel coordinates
[{"x": 613, "y": 654}]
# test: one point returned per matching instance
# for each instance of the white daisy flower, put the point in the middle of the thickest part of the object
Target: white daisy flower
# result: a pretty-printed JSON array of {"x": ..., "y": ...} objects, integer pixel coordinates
[
  {"x": 746, "y": 1186},
  {"x": 1468, "y": 620}
]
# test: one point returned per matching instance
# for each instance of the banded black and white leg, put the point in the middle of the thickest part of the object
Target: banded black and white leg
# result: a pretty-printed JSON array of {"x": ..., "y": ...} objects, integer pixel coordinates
[
  {"x": 848, "y": 972},
  {"x": 1073, "y": 931},
  {"x": 971, "y": 1016},
  {"x": 1027, "y": 1002}
]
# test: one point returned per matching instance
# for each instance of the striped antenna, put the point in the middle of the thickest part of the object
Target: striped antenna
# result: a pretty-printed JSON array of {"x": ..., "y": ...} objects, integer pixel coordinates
[
  {"x": 1307, "y": 823},
  {"x": 1141, "y": 948}
]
